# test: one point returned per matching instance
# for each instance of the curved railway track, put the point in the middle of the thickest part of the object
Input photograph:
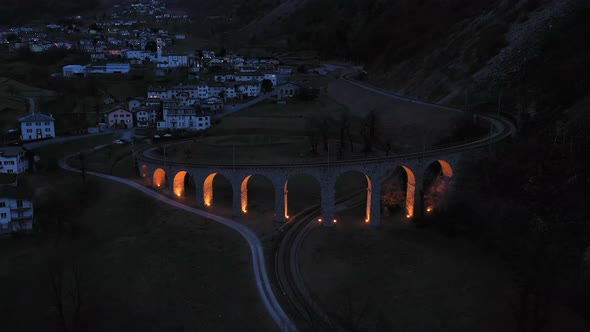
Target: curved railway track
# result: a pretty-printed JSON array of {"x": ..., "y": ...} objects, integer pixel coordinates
[{"x": 309, "y": 314}]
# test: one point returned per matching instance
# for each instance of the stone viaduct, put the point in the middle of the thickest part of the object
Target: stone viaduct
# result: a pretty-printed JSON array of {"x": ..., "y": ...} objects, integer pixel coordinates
[{"x": 172, "y": 175}]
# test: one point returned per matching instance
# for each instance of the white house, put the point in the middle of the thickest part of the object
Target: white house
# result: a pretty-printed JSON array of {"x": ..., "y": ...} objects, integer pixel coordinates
[
  {"x": 157, "y": 93},
  {"x": 246, "y": 77},
  {"x": 287, "y": 90},
  {"x": 135, "y": 103},
  {"x": 144, "y": 116},
  {"x": 37, "y": 126},
  {"x": 249, "y": 89},
  {"x": 172, "y": 61},
  {"x": 13, "y": 160},
  {"x": 16, "y": 207},
  {"x": 140, "y": 55},
  {"x": 184, "y": 118},
  {"x": 119, "y": 117}
]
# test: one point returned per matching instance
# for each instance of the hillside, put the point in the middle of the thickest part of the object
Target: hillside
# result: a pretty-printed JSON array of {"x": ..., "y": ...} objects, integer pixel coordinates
[
  {"x": 529, "y": 58},
  {"x": 529, "y": 54}
]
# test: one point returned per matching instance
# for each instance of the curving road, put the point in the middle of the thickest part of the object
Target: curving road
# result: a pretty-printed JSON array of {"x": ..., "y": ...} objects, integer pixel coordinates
[{"x": 260, "y": 274}]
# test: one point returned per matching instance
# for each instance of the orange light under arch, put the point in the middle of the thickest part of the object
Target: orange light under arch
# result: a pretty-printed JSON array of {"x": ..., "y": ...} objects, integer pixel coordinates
[
  {"x": 159, "y": 178},
  {"x": 410, "y": 192},
  {"x": 178, "y": 186}
]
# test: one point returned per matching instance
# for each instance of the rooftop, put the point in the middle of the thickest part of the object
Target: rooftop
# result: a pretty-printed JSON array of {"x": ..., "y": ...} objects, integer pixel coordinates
[
  {"x": 11, "y": 151},
  {"x": 36, "y": 117}
]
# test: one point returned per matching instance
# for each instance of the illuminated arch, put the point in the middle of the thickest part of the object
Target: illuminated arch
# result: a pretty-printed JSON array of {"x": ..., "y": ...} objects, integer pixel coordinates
[
  {"x": 446, "y": 168},
  {"x": 369, "y": 193},
  {"x": 178, "y": 186},
  {"x": 159, "y": 178},
  {"x": 145, "y": 172},
  {"x": 244, "y": 192},
  {"x": 208, "y": 188},
  {"x": 434, "y": 192},
  {"x": 286, "y": 189},
  {"x": 286, "y": 199},
  {"x": 410, "y": 191}
]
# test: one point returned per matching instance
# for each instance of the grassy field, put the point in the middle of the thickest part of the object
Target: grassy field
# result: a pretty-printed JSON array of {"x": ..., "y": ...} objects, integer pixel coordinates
[
  {"x": 267, "y": 132},
  {"x": 50, "y": 154},
  {"x": 408, "y": 124},
  {"x": 144, "y": 266},
  {"x": 14, "y": 103},
  {"x": 400, "y": 278}
]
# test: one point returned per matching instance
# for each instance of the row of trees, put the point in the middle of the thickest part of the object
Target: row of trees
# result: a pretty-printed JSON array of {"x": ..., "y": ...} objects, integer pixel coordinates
[{"x": 322, "y": 127}]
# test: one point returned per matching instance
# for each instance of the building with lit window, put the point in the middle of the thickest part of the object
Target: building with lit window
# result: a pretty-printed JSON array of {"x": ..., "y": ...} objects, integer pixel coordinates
[
  {"x": 37, "y": 126},
  {"x": 187, "y": 118},
  {"x": 119, "y": 117}
]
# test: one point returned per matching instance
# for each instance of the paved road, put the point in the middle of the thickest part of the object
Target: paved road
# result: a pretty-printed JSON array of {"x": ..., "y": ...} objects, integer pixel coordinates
[
  {"x": 260, "y": 274},
  {"x": 125, "y": 134}
]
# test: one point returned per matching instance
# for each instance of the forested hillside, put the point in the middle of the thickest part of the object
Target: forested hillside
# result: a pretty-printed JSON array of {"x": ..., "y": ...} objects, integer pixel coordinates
[{"x": 529, "y": 58}]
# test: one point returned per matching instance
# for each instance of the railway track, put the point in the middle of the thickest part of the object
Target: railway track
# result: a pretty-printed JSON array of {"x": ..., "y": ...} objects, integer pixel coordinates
[{"x": 309, "y": 314}]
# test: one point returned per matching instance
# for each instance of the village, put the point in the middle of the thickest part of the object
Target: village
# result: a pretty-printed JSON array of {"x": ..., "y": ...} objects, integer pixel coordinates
[{"x": 117, "y": 45}]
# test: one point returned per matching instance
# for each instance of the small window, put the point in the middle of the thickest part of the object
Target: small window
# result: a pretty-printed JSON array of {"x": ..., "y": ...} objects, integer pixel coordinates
[
  {"x": 37, "y": 123},
  {"x": 19, "y": 203},
  {"x": 47, "y": 123},
  {"x": 3, "y": 215},
  {"x": 29, "y": 124},
  {"x": 10, "y": 171},
  {"x": 47, "y": 130},
  {"x": 115, "y": 115},
  {"x": 2, "y": 204},
  {"x": 29, "y": 130}
]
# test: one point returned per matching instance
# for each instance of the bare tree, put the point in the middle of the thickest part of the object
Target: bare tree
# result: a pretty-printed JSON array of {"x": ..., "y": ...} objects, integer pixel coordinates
[
  {"x": 344, "y": 128},
  {"x": 312, "y": 135},
  {"x": 64, "y": 277}
]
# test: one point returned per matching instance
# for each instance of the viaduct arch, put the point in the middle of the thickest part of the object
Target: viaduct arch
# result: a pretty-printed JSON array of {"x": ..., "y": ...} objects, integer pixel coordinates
[{"x": 172, "y": 176}]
